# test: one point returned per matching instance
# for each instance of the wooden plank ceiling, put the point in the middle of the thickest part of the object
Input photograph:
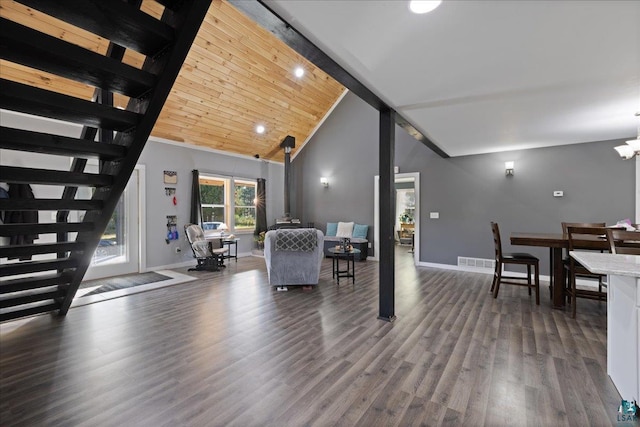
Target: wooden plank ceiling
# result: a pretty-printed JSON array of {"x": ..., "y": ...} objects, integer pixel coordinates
[{"x": 237, "y": 75}]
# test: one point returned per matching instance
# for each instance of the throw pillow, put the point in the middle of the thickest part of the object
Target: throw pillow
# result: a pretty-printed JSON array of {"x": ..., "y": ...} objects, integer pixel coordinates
[
  {"x": 332, "y": 228},
  {"x": 345, "y": 229},
  {"x": 360, "y": 231}
]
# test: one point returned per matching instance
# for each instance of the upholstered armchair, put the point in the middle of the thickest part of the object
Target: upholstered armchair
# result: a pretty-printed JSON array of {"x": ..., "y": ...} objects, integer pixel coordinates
[{"x": 293, "y": 256}]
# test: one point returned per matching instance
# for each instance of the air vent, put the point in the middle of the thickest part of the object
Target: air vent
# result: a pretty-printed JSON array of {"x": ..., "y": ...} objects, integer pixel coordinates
[{"x": 476, "y": 262}]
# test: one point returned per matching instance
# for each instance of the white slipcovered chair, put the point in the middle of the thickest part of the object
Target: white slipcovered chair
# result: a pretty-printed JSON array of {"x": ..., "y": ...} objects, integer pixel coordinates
[{"x": 209, "y": 253}]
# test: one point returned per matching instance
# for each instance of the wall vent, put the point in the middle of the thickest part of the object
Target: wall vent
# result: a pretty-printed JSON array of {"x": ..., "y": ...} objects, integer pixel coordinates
[{"x": 476, "y": 262}]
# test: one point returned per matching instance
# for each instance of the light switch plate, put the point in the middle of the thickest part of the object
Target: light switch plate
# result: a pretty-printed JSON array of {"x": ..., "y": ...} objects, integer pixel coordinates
[
  {"x": 558, "y": 193},
  {"x": 434, "y": 215}
]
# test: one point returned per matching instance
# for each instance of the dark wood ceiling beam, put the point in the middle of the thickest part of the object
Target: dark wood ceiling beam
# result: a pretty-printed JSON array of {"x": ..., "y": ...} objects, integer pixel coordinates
[
  {"x": 32, "y": 100},
  {"x": 34, "y": 49},
  {"x": 20, "y": 175},
  {"x": 271, "y": 21},
  {"x": 114, "y": 20},
  {"x": 38, "y": 142}
]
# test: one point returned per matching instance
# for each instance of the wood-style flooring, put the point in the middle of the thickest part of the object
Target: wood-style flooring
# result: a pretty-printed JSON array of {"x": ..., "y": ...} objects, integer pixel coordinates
[{"x": 228, "y": 350}]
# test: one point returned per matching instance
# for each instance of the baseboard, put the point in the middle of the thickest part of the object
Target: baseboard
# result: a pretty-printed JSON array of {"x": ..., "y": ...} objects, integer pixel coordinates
[{"x": 189, "y": 263}]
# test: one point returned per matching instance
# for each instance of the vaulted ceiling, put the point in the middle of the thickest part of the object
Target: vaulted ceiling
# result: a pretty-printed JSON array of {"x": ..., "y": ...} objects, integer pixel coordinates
[
  {"x": 491, "y": 75},
  {"x": 237, "y": 76}
]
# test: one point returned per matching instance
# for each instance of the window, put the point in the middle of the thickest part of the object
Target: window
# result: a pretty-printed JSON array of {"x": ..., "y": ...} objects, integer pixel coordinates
[
  {"x": 239, "y": 212},
  {"x": 213, "y": 199},
  {"x": 244, "y": 201}
]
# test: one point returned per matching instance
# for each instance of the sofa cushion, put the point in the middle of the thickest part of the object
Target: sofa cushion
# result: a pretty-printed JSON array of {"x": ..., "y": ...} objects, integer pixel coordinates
[
  {"x": 332, "y": 228},
  {"x": 345, "y": 229},
  {"x": 360, "y": 231}
]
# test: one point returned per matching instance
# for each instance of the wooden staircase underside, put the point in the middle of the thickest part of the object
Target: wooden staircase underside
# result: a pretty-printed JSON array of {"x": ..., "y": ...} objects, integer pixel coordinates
[{"x": 45, "y": 275}]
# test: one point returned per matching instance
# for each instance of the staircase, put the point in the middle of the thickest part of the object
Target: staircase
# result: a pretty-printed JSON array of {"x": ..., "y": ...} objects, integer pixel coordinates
[{"x": 29, "y": 286}]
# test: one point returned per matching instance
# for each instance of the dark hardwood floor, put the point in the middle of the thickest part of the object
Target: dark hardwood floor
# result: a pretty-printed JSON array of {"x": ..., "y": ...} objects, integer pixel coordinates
[{"x": 229, "y": 350}]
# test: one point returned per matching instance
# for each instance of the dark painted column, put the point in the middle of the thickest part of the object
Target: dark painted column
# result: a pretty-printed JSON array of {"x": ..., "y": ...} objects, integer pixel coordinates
[{"x": 387, "y": 214}]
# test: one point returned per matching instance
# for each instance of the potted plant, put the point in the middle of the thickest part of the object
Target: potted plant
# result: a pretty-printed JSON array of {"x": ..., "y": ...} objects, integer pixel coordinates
[{"x": 260, "y": 239}]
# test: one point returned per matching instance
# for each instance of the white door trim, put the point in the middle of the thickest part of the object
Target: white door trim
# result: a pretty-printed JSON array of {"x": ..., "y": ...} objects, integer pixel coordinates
[{"x": 417, "y": 217}]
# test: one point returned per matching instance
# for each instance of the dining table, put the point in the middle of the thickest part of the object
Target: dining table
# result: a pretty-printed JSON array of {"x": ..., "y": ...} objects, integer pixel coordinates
[{"x": 557, "y": 243}]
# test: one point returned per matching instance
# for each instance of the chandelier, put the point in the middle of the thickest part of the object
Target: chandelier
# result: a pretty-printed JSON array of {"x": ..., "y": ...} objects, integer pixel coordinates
[{"x": 633, "y": 145}]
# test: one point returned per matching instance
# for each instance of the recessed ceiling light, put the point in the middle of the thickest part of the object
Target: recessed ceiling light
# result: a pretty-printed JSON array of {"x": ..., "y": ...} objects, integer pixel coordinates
[
  {"x": 299, "y": 72},
  {"x": 260, "y": 129},
  {"x": 423, "y": 6}
]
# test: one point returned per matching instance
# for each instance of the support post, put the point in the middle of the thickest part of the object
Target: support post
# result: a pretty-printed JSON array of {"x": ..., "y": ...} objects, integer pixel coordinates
[{"x": 387, "y": 214}]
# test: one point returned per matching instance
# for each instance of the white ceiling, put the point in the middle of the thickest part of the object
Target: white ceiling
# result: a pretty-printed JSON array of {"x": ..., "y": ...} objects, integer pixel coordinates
[{"x": 487, "y": 76}]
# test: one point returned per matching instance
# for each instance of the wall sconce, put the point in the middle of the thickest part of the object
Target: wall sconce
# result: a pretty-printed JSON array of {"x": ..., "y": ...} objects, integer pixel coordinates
[
  {"x": 324, "y": 181},
  {"x": 508, "y": 168}
]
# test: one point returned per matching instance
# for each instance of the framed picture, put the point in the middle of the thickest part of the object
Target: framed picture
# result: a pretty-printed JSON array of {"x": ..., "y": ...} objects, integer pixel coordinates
[{"x": 170, "y": 177}]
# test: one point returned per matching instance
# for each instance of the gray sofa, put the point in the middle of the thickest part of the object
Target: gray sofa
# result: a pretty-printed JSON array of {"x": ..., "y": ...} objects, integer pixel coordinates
[
  {"x": 296, "y": 264},
  {"x": 357, "y": 242}
]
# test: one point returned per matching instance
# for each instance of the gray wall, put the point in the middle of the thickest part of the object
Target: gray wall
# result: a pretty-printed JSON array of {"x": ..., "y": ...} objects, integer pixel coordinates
[
  {"x": 158, "y": 157},
  {"x": 345, "y": 150},
  {"x": 468, "y": 191}
]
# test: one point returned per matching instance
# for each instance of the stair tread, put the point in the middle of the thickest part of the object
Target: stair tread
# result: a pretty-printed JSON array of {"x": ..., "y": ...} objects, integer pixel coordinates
[
  {"x": 29, "y": 311},
  {"x": 44, "y": 228},
  {"x": 16, "y": 204},
  {"x": 41, "y": 102},
  {"x": 24, "y": 175},
  {"x": 39, "y": 142},
  {"x": 31, "y": 48},
  {"x": 116, "y": 21}
]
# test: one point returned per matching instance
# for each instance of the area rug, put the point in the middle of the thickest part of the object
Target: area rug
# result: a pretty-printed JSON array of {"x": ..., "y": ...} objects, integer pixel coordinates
[
  {"x": 116, "y": 287},
  {"x": 122, "y": 282}
]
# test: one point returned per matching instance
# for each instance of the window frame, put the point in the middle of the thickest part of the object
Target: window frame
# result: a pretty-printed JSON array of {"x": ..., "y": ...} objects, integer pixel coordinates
[
  {"x": 229, "y": 206},
  {"x": 245, "y": 182}
]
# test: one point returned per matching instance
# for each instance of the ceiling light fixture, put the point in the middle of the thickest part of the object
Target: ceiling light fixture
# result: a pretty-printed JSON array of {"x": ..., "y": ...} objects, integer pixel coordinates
[
  {"x": 260, "y": 129},
  {"x": 299, "y": 72},
  {"x": 423, "y": 6},
  {"x": 633, "y": 145}
]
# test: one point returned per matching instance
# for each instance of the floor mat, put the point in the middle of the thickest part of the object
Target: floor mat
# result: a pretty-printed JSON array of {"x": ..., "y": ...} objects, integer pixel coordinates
[
  {"x": 116, "y": 287},
  {"x": 122, "y": 282}
]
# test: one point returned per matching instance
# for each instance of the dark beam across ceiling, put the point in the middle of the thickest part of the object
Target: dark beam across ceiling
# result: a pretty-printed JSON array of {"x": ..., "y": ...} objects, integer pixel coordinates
[{"x": 272, "y": 22}]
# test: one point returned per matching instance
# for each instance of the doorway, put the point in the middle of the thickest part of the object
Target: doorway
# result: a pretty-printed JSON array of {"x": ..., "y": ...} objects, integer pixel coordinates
[
  {"x": 120, "y": 249},
  {"x": 401, "y": 180}
]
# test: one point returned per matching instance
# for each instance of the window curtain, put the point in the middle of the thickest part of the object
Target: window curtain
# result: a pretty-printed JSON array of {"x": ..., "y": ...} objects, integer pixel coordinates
[
  {"x": 261, "y": 207},
  {"x": 196, "y": 203}
]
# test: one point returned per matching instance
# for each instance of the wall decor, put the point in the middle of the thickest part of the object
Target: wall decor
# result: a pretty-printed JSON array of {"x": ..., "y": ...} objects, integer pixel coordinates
[
  {"x": 172, "y": 228},
  {"x": 170, "y": 177}
]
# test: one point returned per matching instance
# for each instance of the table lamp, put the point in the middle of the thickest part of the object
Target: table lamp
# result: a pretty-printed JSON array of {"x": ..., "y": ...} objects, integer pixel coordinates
[{"x": 222, "y": 228}]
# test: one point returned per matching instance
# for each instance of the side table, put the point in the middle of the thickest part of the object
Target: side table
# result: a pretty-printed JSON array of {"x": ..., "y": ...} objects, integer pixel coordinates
[
  {"x": 336, "y": 254},
  {"x": 229, "y": 243}
]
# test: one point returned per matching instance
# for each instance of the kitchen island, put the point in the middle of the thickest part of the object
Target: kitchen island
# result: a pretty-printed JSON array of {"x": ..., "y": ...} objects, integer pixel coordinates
[{"x": 623, "y": 317}]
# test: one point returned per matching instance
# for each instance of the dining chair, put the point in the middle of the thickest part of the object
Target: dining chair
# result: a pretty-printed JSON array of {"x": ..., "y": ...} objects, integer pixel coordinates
[
  {"x": 623, "y": 241},
  {"x": 584, "y": 239},
  {"x": 518, "y": 258},
  {"x": 566, "y": 259}
]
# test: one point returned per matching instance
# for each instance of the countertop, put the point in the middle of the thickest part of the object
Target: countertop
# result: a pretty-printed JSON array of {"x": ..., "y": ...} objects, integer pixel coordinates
[{"x": 622, "y": 265}]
